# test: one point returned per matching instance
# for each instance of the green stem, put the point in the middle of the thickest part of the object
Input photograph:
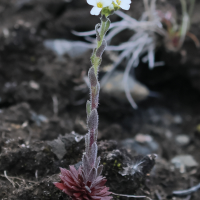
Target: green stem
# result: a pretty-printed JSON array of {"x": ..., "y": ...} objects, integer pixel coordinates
[
  {"x": 97, "y": 60},
  {"x": 102, "y": 33}
]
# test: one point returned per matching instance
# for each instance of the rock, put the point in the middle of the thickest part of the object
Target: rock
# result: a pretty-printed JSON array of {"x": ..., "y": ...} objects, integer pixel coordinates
[
  {"x": 182, "y": 140},
  {"x": 115, "y": 87},
  {"x": 142, "y": 144},
  {"x": 130, "y": 172},
  {"x": 184, "y": 160},
  {"x": 64, "y": 144},
  {"x": 58, "y": 147}
]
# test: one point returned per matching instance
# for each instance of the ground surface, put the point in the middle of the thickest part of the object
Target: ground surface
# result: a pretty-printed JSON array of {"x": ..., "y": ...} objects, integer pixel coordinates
[{"x": 41, "y": 98}]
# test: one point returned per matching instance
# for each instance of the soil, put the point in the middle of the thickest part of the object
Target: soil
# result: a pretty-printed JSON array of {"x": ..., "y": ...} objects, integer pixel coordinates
[{"x": 42, "y": 101}]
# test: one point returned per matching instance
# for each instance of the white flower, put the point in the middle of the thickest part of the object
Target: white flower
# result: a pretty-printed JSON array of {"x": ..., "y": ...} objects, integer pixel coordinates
[
  {"x": 98, "y": 5},
  {"x": 124, "y": 4}
]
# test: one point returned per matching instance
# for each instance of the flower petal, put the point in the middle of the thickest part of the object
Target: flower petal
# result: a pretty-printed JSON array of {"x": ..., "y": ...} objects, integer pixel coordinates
[
  {"x": 106, "y": 2},
  {"x": 91, "y": 2},
  {"x": 95, "y": 11},
  {"x": 125, "y": 4}
]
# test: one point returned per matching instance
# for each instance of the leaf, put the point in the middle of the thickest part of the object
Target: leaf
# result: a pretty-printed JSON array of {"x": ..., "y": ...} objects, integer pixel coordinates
[
  {"x": 93, "y": 56},
  {"x": 97, "y": 162},
  {"x": 93, "y": 154},
  {"x": 97, "y": 32},
  {"x": 107, "y": 25},
  {"x": 99, "y": 170},
  {"x": 101, "y": 49},
  {"x": 84, "y": 176},
  {"x": 92, "y": 175},
  {"x": 87, "y": 142},
  {"x": 92, "y": 77},
  {"x": 93, "y": 120},
  {"x": 96, "y": 132},
  {"x": 86, "y": 165},
  {"x": 88, "y": 108}
]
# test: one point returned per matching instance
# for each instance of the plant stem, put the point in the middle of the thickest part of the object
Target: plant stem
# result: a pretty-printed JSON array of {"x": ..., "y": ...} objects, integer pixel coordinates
[
  {"x": 94, "y": 83},
  {"x": 102, "y": 33}
]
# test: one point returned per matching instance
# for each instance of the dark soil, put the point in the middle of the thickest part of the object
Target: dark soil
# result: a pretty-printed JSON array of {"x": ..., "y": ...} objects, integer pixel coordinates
[{"x": 33, "y": 79}]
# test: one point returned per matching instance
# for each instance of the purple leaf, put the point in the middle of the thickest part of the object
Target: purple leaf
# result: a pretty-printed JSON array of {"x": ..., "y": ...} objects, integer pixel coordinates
[
  {"x": 99, "y": 170},
  {"x": 93, "y": 154},
  {"x": 92, "y": 77},
  {"x": 92, "y": 175},
  {"x": 93, "y": 120},
  {"x": 86, "y": 165},
  {"x": 87, "y": 142},
  {"x": 101, "y": 49},
  {"x": 97, "y": 162}
]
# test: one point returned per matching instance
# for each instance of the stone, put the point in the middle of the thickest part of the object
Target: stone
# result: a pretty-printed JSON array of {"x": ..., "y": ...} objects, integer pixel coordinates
[
  {"x": 115, "y": 87},
  {"x": 182, "y": 140},
  {"x": 184, "y": 160},
  {"x": 142, "y": 144}
]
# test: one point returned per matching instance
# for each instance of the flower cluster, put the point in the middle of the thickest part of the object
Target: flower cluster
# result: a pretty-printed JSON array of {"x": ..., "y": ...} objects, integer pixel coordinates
[{"x": 111, "y": 5}]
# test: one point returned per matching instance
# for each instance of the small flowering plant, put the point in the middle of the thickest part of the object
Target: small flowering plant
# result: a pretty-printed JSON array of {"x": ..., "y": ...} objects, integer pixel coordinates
[{"x": 87, "y": 183}]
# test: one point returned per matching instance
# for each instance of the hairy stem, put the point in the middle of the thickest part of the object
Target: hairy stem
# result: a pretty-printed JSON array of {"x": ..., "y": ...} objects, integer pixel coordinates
[
  {"x": 91, "y": 107},
  {"x": 102, "y": 33}
]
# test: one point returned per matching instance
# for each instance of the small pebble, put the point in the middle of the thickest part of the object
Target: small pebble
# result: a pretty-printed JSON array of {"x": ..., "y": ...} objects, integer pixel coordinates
[
  {"x": 182, "y": 140},
  {"x": 178, "y": 119},
  {"x": 142, "y": 144},
  {"x": 115, "y": 87},
  {"x": 186, "y": 160}
]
